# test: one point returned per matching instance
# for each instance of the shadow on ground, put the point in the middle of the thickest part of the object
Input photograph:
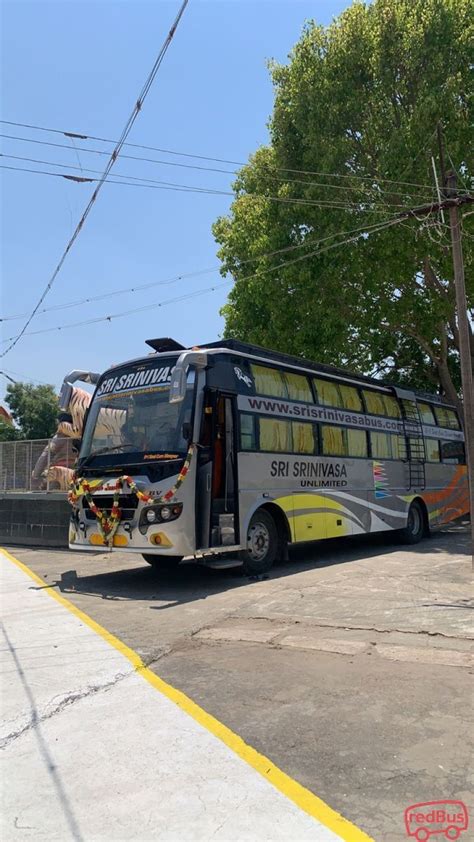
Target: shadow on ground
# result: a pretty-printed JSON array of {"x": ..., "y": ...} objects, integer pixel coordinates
[{"x": 192, "y": 581}]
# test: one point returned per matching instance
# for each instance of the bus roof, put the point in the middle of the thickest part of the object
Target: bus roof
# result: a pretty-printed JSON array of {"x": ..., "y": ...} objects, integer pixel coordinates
[
  {"x": 300, "y": 362},
  {"x": 169, "y": 347}
]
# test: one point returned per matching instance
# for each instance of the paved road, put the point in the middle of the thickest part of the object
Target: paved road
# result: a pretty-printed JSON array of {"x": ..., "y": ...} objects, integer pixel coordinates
[{"x": 348, "y": 668}]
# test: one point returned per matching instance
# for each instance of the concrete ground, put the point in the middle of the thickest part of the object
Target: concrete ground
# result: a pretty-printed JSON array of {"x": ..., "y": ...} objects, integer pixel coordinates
[
  {"x": 349, "y": 667},
  {"x": 80, "y": 763}
]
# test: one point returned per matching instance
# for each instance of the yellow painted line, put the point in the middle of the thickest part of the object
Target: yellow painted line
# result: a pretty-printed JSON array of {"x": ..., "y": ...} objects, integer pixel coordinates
[{"x": 302, "y": 797}]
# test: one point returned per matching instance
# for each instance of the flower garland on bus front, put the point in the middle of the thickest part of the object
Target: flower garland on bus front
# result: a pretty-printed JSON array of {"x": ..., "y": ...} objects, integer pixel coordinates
[{"x": 108, "y": 525}]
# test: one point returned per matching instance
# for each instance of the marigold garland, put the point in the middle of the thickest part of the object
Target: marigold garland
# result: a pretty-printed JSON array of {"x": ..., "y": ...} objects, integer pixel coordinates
[{"x": 108, "y": 525}]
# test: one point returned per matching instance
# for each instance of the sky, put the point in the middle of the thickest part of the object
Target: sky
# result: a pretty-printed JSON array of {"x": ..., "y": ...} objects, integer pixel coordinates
[{"x": 78, "y": 67}]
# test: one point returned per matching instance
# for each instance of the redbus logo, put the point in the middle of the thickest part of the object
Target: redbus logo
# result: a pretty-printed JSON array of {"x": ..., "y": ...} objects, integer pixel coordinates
[{"x": 432, "y": 817}]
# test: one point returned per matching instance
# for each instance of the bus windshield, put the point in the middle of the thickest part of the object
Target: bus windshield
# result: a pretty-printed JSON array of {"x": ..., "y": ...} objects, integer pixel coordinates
[{"x": 131, "y": 415}]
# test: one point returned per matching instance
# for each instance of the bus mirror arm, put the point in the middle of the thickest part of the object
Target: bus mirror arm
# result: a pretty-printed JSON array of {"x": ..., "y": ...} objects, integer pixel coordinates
[
  {"x": 197, "y": 359},
  {"x": 72, "y": 377}
]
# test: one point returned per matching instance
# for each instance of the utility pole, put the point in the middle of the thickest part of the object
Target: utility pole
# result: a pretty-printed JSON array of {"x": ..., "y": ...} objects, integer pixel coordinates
[{"x": 464, "y": 337}]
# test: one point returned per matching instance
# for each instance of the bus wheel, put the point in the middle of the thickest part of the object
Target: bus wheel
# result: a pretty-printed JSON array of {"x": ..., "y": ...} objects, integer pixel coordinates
[
  {"x": 262, "y": 543},
  {"x": 414, "y": 531},
  {"x": 162, "y": 562}
]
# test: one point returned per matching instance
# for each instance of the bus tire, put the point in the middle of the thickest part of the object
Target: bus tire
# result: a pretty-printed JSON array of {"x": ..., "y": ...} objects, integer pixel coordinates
[
  {"x": 262, "y": 543},
  {"x": 415, "y": 529},
  {"x": 162, "y": 562}
]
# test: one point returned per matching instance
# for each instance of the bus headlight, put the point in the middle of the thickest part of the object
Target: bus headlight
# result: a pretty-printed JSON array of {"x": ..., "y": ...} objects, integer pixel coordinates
[{"x": 159, "y": 514}]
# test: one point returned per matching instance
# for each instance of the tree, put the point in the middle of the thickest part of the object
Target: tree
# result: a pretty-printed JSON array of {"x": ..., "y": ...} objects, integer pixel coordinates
[
  {"x": 360, "y": 99},
  {"x": 34, "y": 409},
  {"x": 7, "y": 431}
]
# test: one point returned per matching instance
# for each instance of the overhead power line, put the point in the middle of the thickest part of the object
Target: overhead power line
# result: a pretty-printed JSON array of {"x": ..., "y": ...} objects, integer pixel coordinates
[
  {"x": 189, "y": 187},
  {"x": 309, "y": 241},
  {"x": 371, "y": 206},
  {"x": 82, "y": 136},
  {"x": 283, "y": 265},
  {"x": 113, "y": 157},
  {"x": 345, "y": 187}
]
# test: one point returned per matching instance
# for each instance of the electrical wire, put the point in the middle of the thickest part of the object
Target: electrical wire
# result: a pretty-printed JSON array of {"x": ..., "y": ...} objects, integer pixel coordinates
[
  {"x": 188, "y": 188},
  {"x": 82, "y": 136},
  {"x": 371, "y": 200},
  {"x": 24, "y": 377},
  {"x": 208, "y": 169},
  {"x": 185, "y": 297},
  {"x": 113, "y": 157},
  {"x": 138, "y": 288}
]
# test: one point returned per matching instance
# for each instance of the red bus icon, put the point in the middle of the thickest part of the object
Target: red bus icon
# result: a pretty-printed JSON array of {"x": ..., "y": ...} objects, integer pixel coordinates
[{"x": 436, "y": 817}]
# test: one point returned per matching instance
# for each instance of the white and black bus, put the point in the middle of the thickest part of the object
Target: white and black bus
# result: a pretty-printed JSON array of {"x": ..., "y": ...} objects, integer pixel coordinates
[{"x": 231, "y": 448}]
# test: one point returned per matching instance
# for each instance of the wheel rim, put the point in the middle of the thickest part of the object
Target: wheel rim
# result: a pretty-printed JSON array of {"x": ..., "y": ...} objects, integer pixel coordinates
[
  {"x": 414, "y": 520},
  {"x": 258, "y": 541}
]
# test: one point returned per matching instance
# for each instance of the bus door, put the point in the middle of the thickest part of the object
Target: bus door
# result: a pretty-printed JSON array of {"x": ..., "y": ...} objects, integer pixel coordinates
[{"x": 217, "y": 498}]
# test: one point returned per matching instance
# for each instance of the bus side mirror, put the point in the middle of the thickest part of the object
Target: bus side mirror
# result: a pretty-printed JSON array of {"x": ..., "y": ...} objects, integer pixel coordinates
[{"x": 178, "y": 385}]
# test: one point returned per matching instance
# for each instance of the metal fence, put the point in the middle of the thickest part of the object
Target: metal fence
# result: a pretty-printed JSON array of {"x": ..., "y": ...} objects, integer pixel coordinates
[{"x": 36, "y": 465}]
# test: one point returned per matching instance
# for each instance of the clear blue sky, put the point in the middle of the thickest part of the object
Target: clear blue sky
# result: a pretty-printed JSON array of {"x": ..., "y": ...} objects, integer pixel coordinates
[{"x": 78, "y": 66}]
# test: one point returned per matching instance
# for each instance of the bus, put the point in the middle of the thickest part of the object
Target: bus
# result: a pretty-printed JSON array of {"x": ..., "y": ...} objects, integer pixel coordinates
[{"x": 230, "y": 450}]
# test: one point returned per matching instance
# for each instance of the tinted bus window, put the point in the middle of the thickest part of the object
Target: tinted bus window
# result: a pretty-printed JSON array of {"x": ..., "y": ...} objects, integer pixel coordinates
[
  {"x": 374, "y": 402},
  {"x": 453, "y": 452},
  {"x": 388, "y": 446},
  {"x": 334, "y": 442},
  {"x": 304, "y": 440},
  {"x": 337, "y": 394},
  {"x": 357, "y": 443},
  {"x": 275, "y": 435},
  {"x": 327, "y": 392},
  {"x": 268, "y": 381},
  {"x": 342, "y": 441},
  {"x": 247, "y": 432},
  {"x": 378, "y": 404},
  {"x": 285, "y": 436},
  {"x": 392, "y": 408},
  {"x": 298, "y": 387},
  {"x": 426, "y": 414},
  {"x": 446, "y": 418},
  {"x": 350, "y": 398},
  {"x": 432, "y": 450}
]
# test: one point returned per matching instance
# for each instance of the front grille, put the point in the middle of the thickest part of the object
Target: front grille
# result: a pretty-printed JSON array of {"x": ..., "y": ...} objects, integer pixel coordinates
[{"x": 127, "y": 504}]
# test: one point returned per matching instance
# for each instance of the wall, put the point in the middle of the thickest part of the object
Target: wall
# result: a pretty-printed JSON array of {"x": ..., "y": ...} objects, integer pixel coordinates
[{"x": 39, "y": 520}]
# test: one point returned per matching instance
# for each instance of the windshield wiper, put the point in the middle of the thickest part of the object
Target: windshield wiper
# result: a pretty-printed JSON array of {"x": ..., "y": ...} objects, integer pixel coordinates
[{"x": 104, "y": 450}]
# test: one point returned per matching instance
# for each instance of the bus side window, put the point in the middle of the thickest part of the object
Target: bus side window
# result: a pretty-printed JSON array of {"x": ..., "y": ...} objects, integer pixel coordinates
[
  {"x": 381, "y": 445},
  {"x": 426, "y": 414},
  {"x": 399, "y": 447},
  {"x": 269, "y": 381},
  {"x": 432, "y": 450},
  {"x": 374, "y": 402},
  {"x": 304, "y": 439},
  {"x": 298, "y": 387},
  {"x": 392, "y": 407},
  {"x": 447, "y": 418},
  {"x": 275, "y": 435},
  {"x": 356, "y": 442},
  {"x": 247, "y": 432},
  {"x": 327, "y": 392},
  {"x": 453, "y": 452},
  {"x": 350, "y": 398},
  {"x": 333, "y": 441}
]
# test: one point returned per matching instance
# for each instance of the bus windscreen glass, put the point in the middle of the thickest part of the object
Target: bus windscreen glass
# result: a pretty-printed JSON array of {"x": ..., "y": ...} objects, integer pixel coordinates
[{"x": 131, "y": 416}]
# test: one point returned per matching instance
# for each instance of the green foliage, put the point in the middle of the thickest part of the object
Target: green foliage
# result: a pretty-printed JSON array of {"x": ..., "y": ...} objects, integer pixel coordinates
[
  {"x": 7, "y": 431},
  {"x": 34, "y": 409},
  {"x": 360, "y": 98}
]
